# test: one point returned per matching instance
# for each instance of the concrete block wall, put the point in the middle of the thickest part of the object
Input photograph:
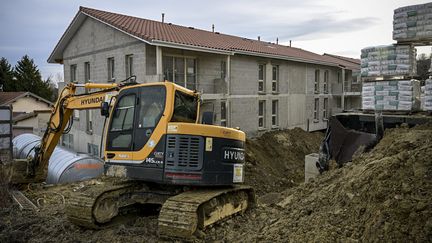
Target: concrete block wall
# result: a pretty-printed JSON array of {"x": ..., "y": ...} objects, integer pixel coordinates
[{"x": 95, "y": 42}]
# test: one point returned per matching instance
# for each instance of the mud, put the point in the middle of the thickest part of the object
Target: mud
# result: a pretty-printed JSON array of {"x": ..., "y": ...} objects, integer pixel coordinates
[
  {"x": 384, "y": 195},
  {"x": 275, "y": 161}
]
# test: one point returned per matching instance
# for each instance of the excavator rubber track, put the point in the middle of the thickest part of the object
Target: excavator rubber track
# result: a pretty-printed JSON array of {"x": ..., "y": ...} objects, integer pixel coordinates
[
  {"x": 81, "y": 207},
  {"x": 96, "y": 203},
  {"x": 182, "y": 215}
]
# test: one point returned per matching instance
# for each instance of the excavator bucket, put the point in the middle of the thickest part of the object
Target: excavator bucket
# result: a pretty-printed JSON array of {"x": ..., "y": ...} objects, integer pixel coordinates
[
  {"x": 341, "y": 143},
  {"x": 348, "y": 132}
]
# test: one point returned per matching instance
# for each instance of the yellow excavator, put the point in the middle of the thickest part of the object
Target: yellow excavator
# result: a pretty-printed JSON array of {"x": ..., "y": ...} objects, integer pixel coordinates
[{"x": 156, "y": 151}]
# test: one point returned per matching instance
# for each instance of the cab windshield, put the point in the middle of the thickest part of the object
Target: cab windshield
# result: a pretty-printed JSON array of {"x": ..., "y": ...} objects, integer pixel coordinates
[{"x": 135, "y": 117}]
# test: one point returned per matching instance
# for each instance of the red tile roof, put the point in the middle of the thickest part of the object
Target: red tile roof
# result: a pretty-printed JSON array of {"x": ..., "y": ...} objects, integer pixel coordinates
[
  {"x": 6, "y": 97},
  {"x": 350, "y": 63},
  {"x": 155, "y": 32}
]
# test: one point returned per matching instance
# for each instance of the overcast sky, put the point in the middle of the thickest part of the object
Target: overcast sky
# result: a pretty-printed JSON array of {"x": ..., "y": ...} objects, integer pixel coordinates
[{"x": 339, "y": 27}]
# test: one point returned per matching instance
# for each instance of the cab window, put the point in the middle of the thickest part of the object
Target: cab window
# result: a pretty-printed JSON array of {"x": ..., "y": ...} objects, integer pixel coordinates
[
  {"x": 122, "y": 123},
  {"x": 185, "y": 108},
  {"x": 151, "y": 105}
]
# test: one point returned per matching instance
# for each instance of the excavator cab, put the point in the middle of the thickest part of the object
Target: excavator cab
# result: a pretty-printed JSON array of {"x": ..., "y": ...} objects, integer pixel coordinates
[{"x": 154, "y": 135}]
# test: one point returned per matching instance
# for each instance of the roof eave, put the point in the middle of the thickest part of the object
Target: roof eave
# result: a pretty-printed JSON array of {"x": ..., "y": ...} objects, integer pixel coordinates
[
  {"x": 287, "y": 58},
  {"x": 190, "y": 47},
  {"x": 56, "y": 55},
  {"x": 29, "y": 94}
]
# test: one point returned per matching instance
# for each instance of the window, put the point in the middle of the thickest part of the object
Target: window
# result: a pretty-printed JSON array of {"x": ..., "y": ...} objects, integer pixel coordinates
[
  {"x": 185, "y": 108},
  {"x": 180, "y": 70},
  {"x": 339, "y": 77},
  {"x": 316, "y": 84},
  {"x": 123, "y": 114},
  {"x": 88, "y": 113},
  {"x": 223, "y": 120},
  {"x": 325, "y": 109},
  {"x": 275, "y": 78},
  {"x": 135, "y": 117},
  {"x": 92, "y": 149},
  {"x": 76, "y": 114},
  {"x": 223, "y": 70},
  {"x": 261, "y": 77},
  {"x": 326, "y": 81},
  {"x": 73, "y": 73},
  {"x": 275, "y": 104},
  {"x": 67, "y": 140},
  {"x": 149, "y": 112},
  {"x": 111, "y": 69},
  {"x": 122, "y": 124},
  {"x": 89, "y": 121},
  {"x": 261, "y": 114},
  {"x": 129, "y": 65},
  {"x": 316, "y": 107},
  {"x": 87, "y": 72},
  {"x": 355, "y": 76}
]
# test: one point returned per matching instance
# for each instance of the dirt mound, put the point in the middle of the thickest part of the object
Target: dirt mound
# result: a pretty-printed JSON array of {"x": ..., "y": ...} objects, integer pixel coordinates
[
  {"x": 275, "y": 161},
  {"x": 384, "y": 195}
]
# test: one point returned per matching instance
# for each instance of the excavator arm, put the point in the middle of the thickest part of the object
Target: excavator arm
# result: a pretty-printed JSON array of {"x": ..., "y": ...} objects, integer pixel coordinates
[{"x": 67, "y": 102}]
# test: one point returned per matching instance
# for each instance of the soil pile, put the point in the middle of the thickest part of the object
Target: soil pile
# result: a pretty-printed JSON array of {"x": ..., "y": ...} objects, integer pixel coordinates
[
  {"x": 275, "y": 161},
  {"x": 384, "y": 195}
]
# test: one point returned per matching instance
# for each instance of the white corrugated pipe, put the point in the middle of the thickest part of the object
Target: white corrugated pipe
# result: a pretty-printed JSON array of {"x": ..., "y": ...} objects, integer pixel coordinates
[{"x": 64, "y": 165}]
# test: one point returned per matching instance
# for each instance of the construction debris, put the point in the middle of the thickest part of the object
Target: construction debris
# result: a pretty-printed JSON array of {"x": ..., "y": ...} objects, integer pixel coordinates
[{"x": 23, "y": 202}]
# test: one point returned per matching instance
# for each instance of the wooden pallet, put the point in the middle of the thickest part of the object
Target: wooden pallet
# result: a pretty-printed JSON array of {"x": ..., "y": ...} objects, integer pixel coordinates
[
  {"x": 389, "y": 78},
  {"x": 389, "y": 112},
  {"x": 415, "y": 42}
]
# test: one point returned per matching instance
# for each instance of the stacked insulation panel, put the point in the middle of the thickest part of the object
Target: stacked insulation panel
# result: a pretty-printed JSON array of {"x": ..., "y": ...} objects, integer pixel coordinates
[
  {"x": 398, "y": 95},
  {"x": 413, "y": 23},
  {"x": 426, "y": 99},
  {"x": 391, "y": 60}
]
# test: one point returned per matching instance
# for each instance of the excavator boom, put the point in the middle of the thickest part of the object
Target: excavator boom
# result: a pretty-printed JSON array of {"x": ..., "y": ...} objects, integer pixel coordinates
[{"x": 67, "y": 102}]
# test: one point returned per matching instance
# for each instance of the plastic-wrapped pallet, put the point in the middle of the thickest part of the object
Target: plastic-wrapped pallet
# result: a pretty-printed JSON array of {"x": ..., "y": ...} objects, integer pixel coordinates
[
  {"x": 392, "y": 60},
  {"x": 401, "y": 95},
  {"x": 427, "y": 102},
  {"x": 413, "y": 23},
  {"x": 368, "y": 96}
]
